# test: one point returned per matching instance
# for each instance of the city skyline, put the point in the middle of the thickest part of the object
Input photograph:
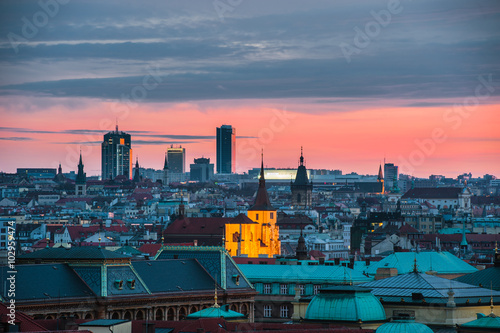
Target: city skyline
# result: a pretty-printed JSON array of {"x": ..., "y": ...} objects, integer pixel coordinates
[{"x": 414, "y": 83}]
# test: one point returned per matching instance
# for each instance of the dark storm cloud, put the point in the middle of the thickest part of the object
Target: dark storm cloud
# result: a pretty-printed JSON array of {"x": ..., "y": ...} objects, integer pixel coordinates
[{"x": 272, "y": 49}]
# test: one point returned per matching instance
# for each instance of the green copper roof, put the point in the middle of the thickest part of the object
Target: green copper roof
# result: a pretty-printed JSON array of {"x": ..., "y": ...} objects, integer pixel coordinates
[
  {"x": 74, "y": 253},
  {"x": 432, "y": 289},
  {"x": 486, "y": 278},
  {"x": 441, "y": 262},
  {"x": 129, "y": 250},
  {"x": 216, "y": 312},
  {"x": 403, "y": 326},
  {"x": 345, "y": 303},
  {"x": 487, "y": 322},
  {"x": 302, "y": 274}
]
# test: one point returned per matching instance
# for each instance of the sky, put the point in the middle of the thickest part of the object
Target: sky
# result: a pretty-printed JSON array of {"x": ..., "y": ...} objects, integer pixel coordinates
[{"x": 414, "y": 83}]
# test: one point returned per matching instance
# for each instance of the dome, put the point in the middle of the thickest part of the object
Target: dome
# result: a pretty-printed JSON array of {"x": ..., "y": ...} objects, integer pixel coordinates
[
  {"x": 345, "y": 303},
  {"x": 403, "y": 326}
]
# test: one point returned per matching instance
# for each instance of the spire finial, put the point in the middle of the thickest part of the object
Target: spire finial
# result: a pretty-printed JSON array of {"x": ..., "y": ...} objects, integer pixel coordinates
[
  {"x": 415, "y": 268},
  {"x": 301, "y": 156},
  {"x": 48, "y": 242},
  {"x": 496, "y": 247},
  {"x": 162, "y": 240},
  {"x": 262, "y": 164},
  {"x": 216, "y": 305},
  {"x": 491, "y": 297}
]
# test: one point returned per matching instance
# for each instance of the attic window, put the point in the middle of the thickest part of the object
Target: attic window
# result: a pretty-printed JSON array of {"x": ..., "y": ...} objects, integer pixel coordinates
[
  {"x": 119, "y": 284},
  {"x": 236, "y": 279},
  {"x": 131, "y": 283}
]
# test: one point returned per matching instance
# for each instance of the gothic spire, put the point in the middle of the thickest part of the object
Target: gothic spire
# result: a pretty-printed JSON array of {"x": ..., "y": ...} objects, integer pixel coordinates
[
  {"x": 262, "y": 201},
  {"x": 137, "y": 176},
  {"x": 165, "y": 164},
  {"x": 380, "y": 174},
  {"x": 81, "y": 177}
]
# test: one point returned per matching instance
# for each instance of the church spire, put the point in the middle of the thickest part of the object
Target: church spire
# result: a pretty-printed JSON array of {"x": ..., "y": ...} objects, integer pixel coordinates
[
  {"x": 301, "y": 156},
  {"x": 262, "y": 201},
  {"x": 81, "y": 178},
  {"x": 165, "y": 164},
  {"x": 137, "y": 176},
  {"x": 380, "y": 174},
  {"x": 262, "y": 167}
]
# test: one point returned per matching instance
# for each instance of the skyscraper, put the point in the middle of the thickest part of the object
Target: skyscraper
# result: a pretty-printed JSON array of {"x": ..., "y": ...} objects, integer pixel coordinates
[
  {"x": 390, "y": 174},
  {"x": 226, "y": 149},
  {"x": 176, "y": 157},
  {"x": 201, "y": 170},
  {"x": 116, "y": 155}
]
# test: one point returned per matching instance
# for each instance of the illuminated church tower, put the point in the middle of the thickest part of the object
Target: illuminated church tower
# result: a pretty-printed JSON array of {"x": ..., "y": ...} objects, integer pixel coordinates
[{"x": 257, "y": 236}]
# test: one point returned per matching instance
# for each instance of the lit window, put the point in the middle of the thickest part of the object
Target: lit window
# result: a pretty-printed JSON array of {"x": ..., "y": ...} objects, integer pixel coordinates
[
  {"x": 267, "y": 288},
  {"x": 283, "y": 289},
  {"x": 284, "y": 311},
  {"x": 267, "y": 311}
]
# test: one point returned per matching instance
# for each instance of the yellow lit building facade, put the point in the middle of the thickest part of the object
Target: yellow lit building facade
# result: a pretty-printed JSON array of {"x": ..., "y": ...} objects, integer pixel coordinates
[{"x": 257, "y": 235}]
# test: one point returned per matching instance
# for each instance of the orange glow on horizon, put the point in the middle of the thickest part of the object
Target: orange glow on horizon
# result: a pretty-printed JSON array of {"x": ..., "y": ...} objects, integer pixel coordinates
[{"x": 355, "y": 140}]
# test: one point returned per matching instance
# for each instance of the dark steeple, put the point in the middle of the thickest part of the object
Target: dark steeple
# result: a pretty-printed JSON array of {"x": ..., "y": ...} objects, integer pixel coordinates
[
  {"x": 301, "y": 187},
  {"x": 380, "y": 174},
  {"x": 59, "y": 178},
  {"x": 81, "y": 177},
  {"x": 301, "y": 252},
  {"x": 301, "y": 177},
  {"x": 262, "y": 201},
  {"x": 137, "y": 176},
  {"x": 165, "y": 164}
]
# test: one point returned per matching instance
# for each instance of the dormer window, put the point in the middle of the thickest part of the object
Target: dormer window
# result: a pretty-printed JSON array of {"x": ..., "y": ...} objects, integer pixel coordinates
[
  {"x": 119, "y": 284},
  {"x": 131, "y": 283}
]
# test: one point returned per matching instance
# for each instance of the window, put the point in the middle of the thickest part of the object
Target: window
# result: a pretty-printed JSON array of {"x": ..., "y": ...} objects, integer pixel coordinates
[
  {"x": 301, "y": 287},
  {"x": 267, "y": 311},
  {"x": 284, "y": 311},
  {"x": 267, "y": 288},
  {"x": 284, "y": 289},
  {"x": 256, "y": 216},
  {"x": 272, "y": 214},
  {"x": 316, "y": 289}
]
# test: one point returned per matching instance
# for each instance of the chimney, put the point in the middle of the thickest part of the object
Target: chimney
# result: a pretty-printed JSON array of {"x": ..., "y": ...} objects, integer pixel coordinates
[
  {"x": 337, "y": 261},
  {"x": 321, "y": 260}
]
